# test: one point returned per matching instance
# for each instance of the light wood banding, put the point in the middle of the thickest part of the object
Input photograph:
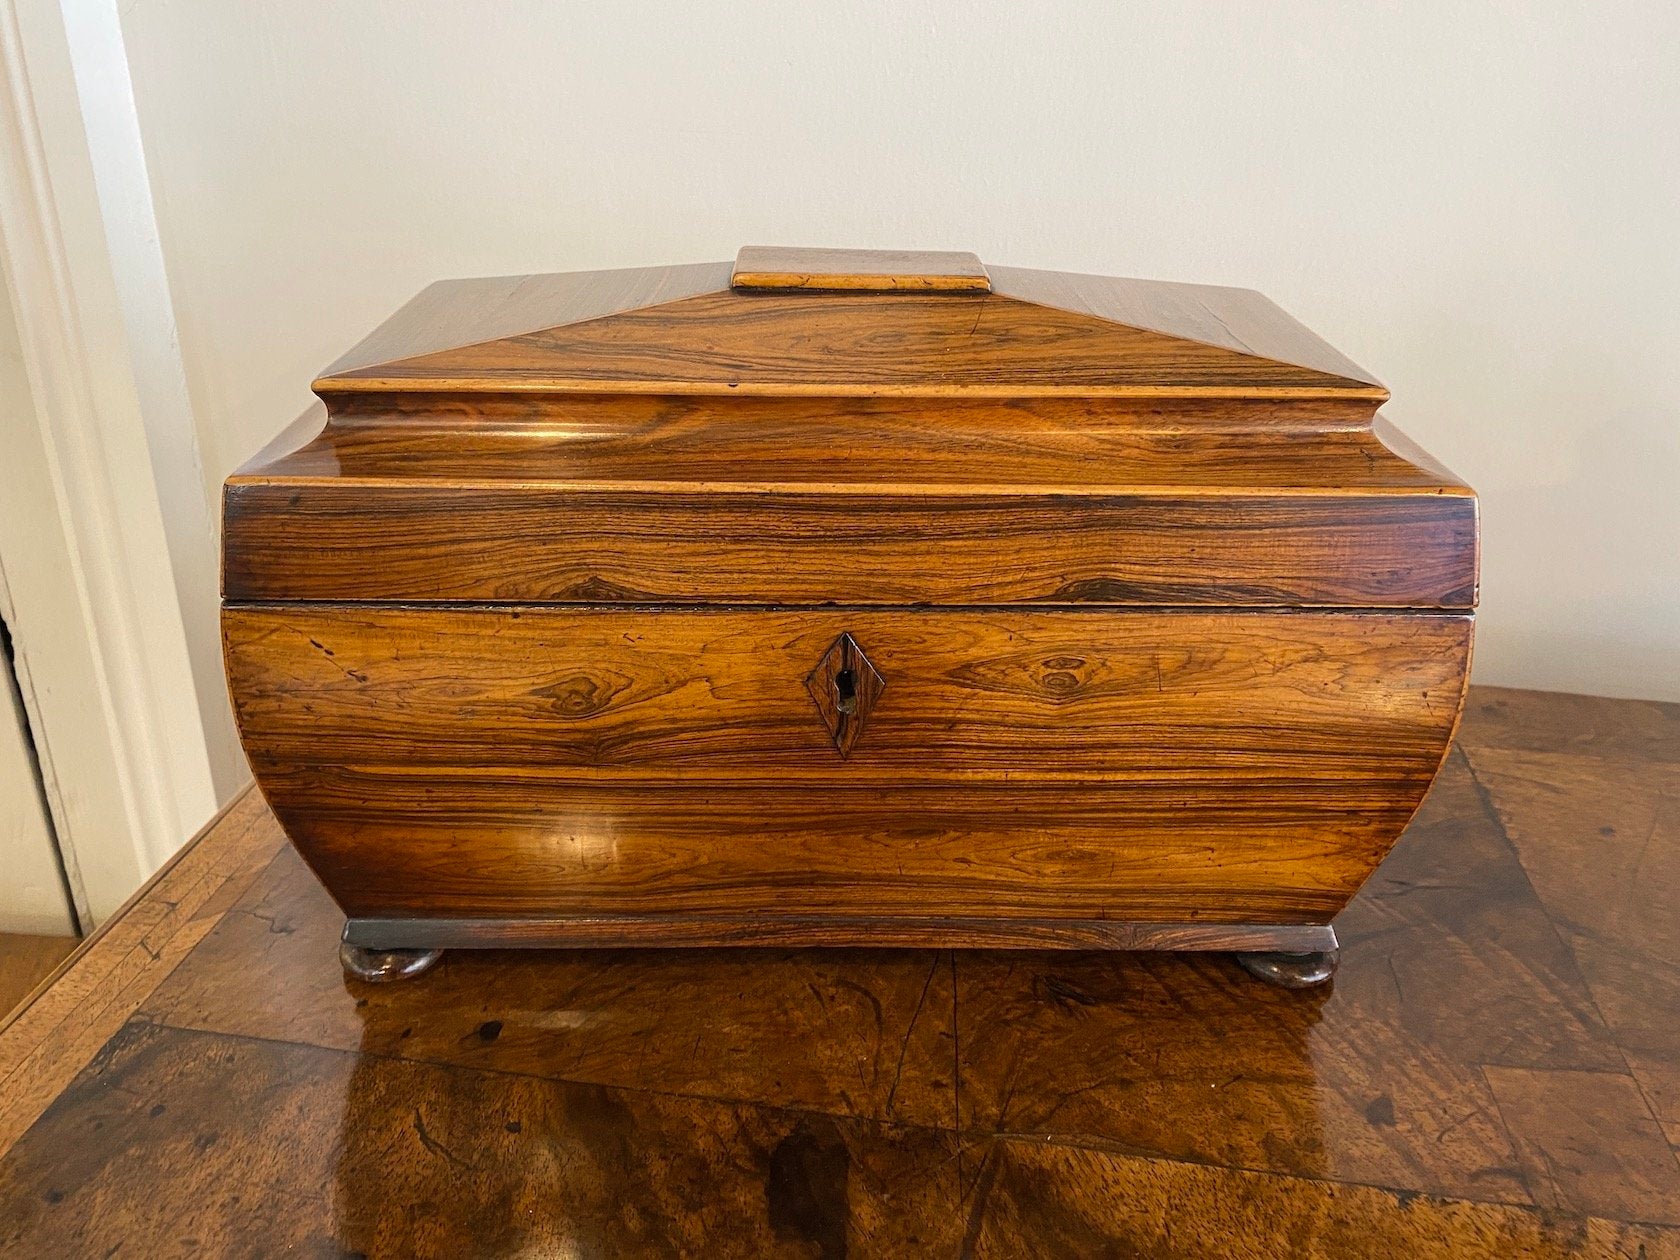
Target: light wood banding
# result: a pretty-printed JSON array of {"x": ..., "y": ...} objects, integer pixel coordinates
[{"x": 780, "y": 267}]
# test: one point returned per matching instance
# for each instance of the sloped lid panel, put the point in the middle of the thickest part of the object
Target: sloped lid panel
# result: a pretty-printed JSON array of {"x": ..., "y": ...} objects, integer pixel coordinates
[
  {"x": 455, "y": 313},
  {"x": 683, "y": 330},
  {"x": 1238, "y": 320},
  {"x": 870, "y": 343}
]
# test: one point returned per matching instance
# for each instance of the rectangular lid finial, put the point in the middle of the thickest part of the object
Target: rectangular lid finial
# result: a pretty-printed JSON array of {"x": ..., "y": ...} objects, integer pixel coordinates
[{"x": 865, "y": 270}]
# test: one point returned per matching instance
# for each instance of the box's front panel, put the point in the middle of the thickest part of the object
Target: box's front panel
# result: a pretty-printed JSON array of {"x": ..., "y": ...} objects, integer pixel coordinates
[
  {"x": 530, "y": 762},
  {"x": 417, "y": 542}
]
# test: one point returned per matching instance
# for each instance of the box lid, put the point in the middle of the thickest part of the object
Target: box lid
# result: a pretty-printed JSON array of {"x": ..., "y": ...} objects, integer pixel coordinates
[
  {"x": 837, "y": 322},
  {"x": 831, "y": 426}
]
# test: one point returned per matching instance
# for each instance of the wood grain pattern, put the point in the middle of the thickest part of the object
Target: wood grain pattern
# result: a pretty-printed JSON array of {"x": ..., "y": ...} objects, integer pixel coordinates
[
  {"x": 713, "y": 931},
  {"x": 1448, "y": 967},
  {"x": 982, "y": 439},
  {"x": 508, "y": 847},
  {"x": 1589, "y": 795},
  {"x": 838, "y": 344},
  {"x": 287, "y": 1149},
  {"x": 1067, "y": 1201},
  {"x": 542, "y": 762},
  {"x": 850, "y": 1033},
  {"x": 499, "y": 847},
  {"x": 785, "y": 267},
  {"x": 25, "y": 961},
  {"x": 389, "y": 541},
  {"x": 1630, "y": 1171},
  {"x": 882, "y": 446},
  {"x": 1162, "y": 631},
  {"x": 654, "y": 499},
  {"x": 1456, "y": 1092},
  {"x": 597, "y": 695},
  {"x": 1238, "y": 320},
  {"x": 44, "y": 1043},
  {"x": 681, "y": 330},
  {"x": 454, "y": 313}
]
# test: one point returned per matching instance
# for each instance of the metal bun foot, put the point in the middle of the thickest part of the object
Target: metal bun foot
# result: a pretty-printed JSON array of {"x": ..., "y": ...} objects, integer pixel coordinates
[
  {"x": 380, "y": 966},
  {"x": 1292, "y": 971}
]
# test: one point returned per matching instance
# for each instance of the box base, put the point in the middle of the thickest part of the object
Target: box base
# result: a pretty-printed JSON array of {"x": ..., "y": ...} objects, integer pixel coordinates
[{"x": 1291, "y": 955}]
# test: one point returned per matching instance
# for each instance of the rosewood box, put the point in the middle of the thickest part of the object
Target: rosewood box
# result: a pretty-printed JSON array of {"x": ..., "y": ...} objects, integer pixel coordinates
[{"x": 846, "y": 598}]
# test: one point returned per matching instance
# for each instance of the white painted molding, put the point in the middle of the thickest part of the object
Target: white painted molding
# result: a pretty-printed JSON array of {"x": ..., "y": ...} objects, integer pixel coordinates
[
  {"x": 34, "y": 898},
  {"x": 99, "y": 60},
  {"x": 102, "y": 646}
]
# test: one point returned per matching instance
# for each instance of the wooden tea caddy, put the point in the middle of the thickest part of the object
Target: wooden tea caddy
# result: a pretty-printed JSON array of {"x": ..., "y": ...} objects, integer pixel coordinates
[{"x": 847, "y": 598}]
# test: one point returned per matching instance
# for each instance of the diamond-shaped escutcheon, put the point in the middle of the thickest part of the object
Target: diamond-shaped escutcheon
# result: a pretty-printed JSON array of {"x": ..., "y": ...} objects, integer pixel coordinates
[{"x": 845, "y": 686}]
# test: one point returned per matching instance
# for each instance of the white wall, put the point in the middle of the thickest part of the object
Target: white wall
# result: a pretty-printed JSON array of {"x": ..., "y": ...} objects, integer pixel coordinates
[{"x": 1478, "y": 202}]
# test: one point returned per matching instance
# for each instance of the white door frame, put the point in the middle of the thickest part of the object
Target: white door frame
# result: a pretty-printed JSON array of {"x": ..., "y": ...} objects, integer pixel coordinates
[
  {"x": 106, "y": 536},
  {"x": 34, "y": 898}
]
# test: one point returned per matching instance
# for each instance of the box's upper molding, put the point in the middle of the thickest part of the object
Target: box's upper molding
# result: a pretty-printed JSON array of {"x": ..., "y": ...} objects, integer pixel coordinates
[
  {"x": 827, "y": 322},
  {"x": 665, "y": 436}
]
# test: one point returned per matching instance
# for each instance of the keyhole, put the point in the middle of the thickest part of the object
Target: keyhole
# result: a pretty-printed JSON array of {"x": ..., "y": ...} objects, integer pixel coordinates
[{"x": 845, "y": 689}]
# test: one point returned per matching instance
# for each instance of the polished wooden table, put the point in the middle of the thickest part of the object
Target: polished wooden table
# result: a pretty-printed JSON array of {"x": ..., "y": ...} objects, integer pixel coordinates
[{"x": 1496, "y": 1069}]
